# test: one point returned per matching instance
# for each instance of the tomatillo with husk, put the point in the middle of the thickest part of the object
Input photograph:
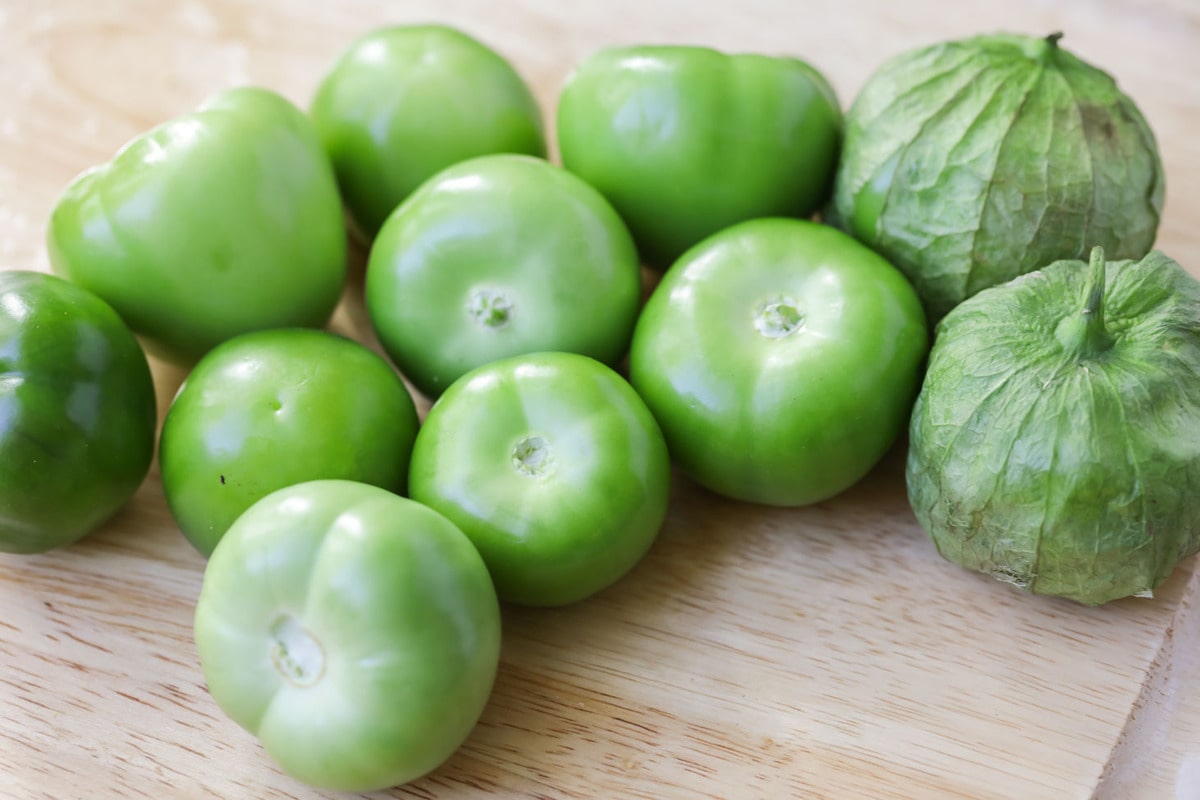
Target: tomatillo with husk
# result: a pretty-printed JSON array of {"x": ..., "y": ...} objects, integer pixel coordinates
[
  {"x": 970, "y": 162},
  {"x": 1055, "y": 443}
]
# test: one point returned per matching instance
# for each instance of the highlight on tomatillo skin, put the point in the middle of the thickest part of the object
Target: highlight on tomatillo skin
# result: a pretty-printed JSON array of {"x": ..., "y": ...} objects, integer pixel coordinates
[
  {"x": 407, "y": 101},
  {"x": 555, "y": 469},
  {"x": 274, "y": 408},
  {"x": 496, "y": 257},
  {"x": 686, "y": 141},
  {"x": 216, "y": 223},
  {"x": 354, "y": 632},
  {"x": 781, "y": 358},
  {"x": 77, "y": 412}
]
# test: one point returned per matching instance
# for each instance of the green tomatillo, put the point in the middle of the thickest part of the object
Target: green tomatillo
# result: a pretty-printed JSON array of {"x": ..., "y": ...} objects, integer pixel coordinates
[
  {"x": 555, "y": 469},
  {"x": 685, "y": 141},
  {"x": 273, "y": 408},
  {"x": 77, "y": 412},
  {"x": 781, "y": 358},
  {"x": 969, "y": 162},
  {"x": 354, "y": 632},
  {"x": 1055, "y": 444},
  {"x": 218, "y": 222},
  {"x": 405, "y": 102},
  {"x": 498, "y": 256}
]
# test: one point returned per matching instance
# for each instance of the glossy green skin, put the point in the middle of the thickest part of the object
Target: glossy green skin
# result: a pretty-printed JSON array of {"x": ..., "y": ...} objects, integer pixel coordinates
[
  {"x": 404, "y": 103},
  {"x": 556, "y": 526},
  {"x": 686, "y": 141},
  {"x": 506, "y": 225},
  {"x": 77, "y": 412},
  {"x": 216, "y": 223},
  {"x": 795, "y": 418},
  {"x": 389, "y": 624},
  {"x": 270, "y": 409}
]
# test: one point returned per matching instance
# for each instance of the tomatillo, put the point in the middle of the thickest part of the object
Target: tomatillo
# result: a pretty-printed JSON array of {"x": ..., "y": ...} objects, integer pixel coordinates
[
  {"x": 1055, "y": 444},
  {"x": 781, "y": 358},
  {"x": 555, "y": 469},
  {"x": 405, "y": 102},
  {"x": 354, "y": 632},
  {"x": 270, "y": 409},
  {"x": 77, "y": 412},
  {"x": 498, "y": 256},
  {"x": 686, "y": 141},
  {"x": 219, "y": 222}
]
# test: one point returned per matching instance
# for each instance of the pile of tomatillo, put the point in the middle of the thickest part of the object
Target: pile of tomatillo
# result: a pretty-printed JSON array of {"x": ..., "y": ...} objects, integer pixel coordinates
[{"x": 358, "y": 555}]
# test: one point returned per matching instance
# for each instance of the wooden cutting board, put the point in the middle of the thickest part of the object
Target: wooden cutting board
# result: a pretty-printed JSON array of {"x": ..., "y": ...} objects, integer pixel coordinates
[{"x": 819, "y": 652}]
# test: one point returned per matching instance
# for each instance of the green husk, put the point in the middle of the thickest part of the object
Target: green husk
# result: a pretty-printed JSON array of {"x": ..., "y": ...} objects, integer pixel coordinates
[
  {"x": 1055, "y": 443},
  {"x": 970, "y": 162}
]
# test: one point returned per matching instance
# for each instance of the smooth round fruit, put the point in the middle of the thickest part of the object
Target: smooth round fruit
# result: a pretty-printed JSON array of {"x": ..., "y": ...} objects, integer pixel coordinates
[
  {"x": 781, "y": 359},
  {"x": 219, "y": 222},
  {"x": 77, "y": 412},
  {"x": 405, "y": 102},
  {"x": 499, "y": 256},
  {"x": 555, "y": 469},
  {"x": 686, "y": 141},
  {"x": 270, "y": 409},
  {"x": 354, "y": 632}
]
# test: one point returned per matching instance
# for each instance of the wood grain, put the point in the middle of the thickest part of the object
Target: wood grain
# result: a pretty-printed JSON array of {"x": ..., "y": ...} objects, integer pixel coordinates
[{"x": 820, "y": 652}]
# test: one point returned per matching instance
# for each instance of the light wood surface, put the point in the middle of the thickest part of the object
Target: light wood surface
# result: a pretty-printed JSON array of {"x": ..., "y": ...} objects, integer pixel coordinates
[{"x": 820, "y": 652}]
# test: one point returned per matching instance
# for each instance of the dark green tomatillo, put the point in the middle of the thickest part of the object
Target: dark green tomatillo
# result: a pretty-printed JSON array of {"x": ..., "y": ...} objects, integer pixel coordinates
[{"x": 77, "y": 412}]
